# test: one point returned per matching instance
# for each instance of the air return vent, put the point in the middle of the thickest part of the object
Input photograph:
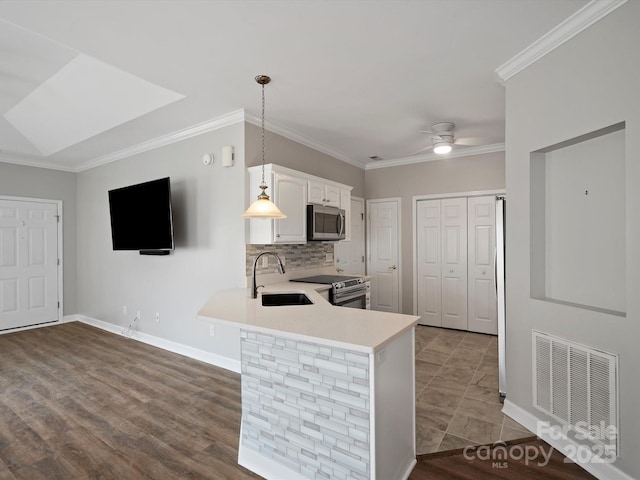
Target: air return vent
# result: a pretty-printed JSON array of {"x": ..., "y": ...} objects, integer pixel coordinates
[{"x": 578, "y": 386}]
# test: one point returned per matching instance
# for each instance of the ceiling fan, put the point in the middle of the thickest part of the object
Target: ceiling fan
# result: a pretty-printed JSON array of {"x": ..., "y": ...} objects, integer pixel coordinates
[{"x": 443, "y": 140}]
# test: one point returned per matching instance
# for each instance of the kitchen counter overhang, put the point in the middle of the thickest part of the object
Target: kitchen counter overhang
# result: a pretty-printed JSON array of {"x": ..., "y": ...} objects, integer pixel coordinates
[{"x": 366, "y": 331}]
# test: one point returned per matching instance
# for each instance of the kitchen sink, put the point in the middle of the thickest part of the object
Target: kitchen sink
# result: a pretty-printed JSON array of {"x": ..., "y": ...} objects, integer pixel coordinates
[{"x": 282, "y": 299}]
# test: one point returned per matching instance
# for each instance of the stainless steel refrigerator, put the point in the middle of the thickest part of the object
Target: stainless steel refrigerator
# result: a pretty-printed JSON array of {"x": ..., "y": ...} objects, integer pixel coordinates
[{"x": 500, "y": 294}]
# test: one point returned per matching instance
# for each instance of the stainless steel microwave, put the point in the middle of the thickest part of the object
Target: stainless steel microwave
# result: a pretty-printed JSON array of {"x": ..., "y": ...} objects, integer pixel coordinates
[{"x": 325, "y": 223}]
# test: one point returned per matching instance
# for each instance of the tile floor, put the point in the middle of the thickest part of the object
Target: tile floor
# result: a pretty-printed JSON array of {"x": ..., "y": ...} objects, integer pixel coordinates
[{"x": 457, "y": 400}]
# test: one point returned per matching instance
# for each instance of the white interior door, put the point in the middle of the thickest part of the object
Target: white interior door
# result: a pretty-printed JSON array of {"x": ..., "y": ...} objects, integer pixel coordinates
[
  {"x": 349, "y": 255},
  {"x": 454, "y": 263},
  {"x": 28, "y": 263},
  {"x": 384, "y": 254},
  {"x": 429, "y": 266},
  {"x": 482, "y": 246}
]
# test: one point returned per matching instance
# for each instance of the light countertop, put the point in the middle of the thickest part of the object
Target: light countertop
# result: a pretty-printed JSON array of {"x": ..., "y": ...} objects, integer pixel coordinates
[{"x": 361, "y": 330}]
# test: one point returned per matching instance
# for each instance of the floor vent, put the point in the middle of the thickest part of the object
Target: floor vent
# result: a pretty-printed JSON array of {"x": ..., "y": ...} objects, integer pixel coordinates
[{"x": 578, "y": 386}]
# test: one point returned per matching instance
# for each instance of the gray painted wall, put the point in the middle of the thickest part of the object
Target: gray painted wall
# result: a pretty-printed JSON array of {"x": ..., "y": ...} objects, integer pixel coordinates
[
  {"x": 21, "y": 181},
  {"x": 588, "y": 83},
  {"x": 209, "y": 237},
  {"x": 473, "y": 173},
  {"x": 290, "y": 154}
]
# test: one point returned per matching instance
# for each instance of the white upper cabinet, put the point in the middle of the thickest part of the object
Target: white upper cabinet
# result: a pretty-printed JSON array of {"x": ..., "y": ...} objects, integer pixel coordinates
[
  {"x": 291, "y": 191},
  {"x": 323, "y": 193}
]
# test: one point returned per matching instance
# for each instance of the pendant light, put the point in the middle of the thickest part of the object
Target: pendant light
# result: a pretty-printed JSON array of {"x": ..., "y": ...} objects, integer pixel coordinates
[{"x": 263, "y": 207}]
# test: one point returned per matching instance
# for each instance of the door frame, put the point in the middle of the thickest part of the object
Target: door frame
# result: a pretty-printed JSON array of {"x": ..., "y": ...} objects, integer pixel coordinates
[
  {"x": 60, "y": 251},
  {"x": 398, "y": 201},
  {"x": 414, "y": 216}
]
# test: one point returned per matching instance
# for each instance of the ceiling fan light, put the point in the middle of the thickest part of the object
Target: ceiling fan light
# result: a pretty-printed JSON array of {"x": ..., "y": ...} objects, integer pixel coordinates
[{"x": 442, "y": 148}]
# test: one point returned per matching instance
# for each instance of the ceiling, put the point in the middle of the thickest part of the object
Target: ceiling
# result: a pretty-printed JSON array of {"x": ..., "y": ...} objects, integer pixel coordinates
[{"x": 352, "y": 78}]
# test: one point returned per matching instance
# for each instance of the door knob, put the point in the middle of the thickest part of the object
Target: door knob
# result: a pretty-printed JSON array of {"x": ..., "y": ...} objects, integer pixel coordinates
[
  {"x": 393, "y": 267},
  {"x": 451, "y": 270},
  {"x": 484, "y": 272}
]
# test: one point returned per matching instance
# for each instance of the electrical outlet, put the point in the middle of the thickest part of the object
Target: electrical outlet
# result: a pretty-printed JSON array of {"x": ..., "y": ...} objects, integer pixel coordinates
[
  {"x": 157, "y": 316},
  {"x": 212, "y": 330},
  {"x": 329, "y": 257},
  {"x": 381, "y": 356},
  {"x": 265, "y": 262},
  {"x": 124, "y": 309},
  {"x": 138, "y": 315}
]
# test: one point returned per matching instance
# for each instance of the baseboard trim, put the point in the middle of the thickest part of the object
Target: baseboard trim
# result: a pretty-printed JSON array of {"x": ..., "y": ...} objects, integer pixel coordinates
[
  {"x": 605, "y": 471},
  {"x": 175, "y": 347}
]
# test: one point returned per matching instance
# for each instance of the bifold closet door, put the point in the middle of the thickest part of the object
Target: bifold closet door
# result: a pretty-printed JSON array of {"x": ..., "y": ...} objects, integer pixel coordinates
[
  {"x": 442, "y": 262},
  {"x": 483, "y": 316},
  {"x": 454, "y": 263},
  {"x": 429, "y": 262}
]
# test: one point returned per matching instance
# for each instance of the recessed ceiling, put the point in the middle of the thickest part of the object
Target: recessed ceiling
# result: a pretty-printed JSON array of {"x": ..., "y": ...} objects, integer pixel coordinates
[
  {"x": 359, "y": 78},
  {"x": 82, "y": 99}
]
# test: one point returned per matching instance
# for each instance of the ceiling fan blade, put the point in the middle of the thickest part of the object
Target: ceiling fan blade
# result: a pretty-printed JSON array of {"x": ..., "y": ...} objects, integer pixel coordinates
[
  {"x": 471, "y": 141},
  {"x": 421, "y": 150}
]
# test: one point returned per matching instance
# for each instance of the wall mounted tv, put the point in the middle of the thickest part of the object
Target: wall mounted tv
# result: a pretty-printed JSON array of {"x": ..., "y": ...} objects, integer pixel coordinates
[{"x": 141, "y": 217}]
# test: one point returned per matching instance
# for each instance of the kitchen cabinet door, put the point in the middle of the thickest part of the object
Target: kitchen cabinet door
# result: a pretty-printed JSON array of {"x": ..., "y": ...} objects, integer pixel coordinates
[
  {"x": 290, "y": 194},
  {"x": 323, "y": 194},
  {"x": 316, "y": 193},
  {"x": 332, "y": 196}
]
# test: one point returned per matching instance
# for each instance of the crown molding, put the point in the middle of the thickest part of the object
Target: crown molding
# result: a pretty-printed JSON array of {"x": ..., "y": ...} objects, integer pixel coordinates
[
  {"x": 37, "y": 162},
  {"x": 465, "y": 152},
  {"x": 189, "y": 132},
  {"x": 582, "y": 19},
  {"x": 304, "y": 140}
]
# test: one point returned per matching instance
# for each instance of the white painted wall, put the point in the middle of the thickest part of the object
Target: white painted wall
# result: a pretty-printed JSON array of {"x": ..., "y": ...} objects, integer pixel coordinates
[
  {"x": 588, "y": 83},
  {"x": 584, "y": 216},
  {"x": 209, "y": 238}
]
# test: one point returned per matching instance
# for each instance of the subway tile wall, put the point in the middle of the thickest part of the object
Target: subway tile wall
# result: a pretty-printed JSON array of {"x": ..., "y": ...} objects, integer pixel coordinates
[
  {"x": 295, "y": 257},
  {"x": 306, "y": 406}
]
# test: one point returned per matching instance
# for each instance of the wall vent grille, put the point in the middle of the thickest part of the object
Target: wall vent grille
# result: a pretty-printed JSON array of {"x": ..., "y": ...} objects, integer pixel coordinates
[{"x": 578, "y": 386}]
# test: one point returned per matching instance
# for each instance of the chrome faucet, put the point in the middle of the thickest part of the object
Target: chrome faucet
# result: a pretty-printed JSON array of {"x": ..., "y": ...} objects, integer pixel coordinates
[{"x": 254, "y": 287}]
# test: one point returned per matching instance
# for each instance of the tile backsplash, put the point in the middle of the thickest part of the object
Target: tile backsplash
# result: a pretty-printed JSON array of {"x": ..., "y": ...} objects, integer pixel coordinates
[{"x": 294, "y": 256}]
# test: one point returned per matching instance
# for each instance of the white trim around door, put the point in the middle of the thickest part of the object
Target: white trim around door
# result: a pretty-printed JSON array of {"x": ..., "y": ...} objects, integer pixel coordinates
[{"x": 59, "y": 260}]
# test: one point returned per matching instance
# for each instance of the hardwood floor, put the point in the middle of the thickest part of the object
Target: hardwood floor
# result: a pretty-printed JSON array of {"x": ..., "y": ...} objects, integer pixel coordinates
[
  {"x": 78, "y": 403},
  {"x": 455, "y": 465}
]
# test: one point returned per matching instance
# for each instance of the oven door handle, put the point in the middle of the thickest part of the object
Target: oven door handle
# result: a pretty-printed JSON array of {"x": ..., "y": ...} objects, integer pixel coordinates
[{"x": 346, "y": 298}]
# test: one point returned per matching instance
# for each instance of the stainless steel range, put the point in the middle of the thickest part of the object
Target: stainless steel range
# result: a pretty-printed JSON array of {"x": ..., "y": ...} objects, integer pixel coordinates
[{"x": 352, "y": 292}]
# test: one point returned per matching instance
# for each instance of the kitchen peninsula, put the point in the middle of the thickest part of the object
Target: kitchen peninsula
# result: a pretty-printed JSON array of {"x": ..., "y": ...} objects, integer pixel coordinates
[{"x": 327, "y": 392}]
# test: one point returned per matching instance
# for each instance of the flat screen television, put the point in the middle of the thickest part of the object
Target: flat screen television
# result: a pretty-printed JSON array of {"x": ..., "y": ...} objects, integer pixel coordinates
[{"x": 141, "y": 217}]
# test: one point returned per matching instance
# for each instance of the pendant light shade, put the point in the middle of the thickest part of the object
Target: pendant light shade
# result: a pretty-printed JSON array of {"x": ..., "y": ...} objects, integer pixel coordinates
[{"x": 263, "y": 207}]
